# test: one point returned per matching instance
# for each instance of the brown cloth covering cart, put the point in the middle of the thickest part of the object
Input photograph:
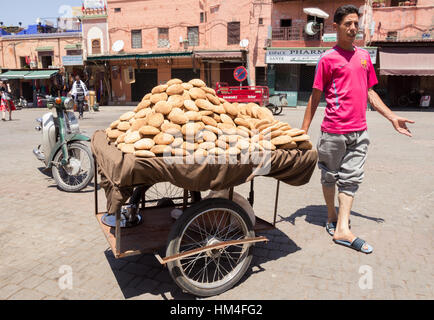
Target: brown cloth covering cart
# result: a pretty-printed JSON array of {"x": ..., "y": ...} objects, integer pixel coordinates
[{"x": 120, "y": 173}]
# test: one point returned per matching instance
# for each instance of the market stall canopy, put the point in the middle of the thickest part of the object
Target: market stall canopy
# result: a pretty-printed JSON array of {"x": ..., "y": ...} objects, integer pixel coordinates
[
  {"x": 218, "y": 54},
  {"x": 413, "y": 61},
  {"x": 40, "y": 74},
  {"x": 13, "y": 74}
]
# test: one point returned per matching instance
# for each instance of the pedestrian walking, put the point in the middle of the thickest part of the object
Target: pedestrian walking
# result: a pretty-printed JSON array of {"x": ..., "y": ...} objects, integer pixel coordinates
[
  {"x": 346, "y": 76},
  {"x": 80, "y": 93},
  {"x": 6, "y": 103}
]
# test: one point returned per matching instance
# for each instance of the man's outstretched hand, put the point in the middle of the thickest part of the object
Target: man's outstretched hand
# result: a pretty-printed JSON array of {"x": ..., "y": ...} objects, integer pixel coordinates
[{"x": 399, "y": 124}]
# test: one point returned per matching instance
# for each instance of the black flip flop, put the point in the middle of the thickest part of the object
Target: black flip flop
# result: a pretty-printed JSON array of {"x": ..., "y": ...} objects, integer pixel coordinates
[{"x": 357, "y": 245}]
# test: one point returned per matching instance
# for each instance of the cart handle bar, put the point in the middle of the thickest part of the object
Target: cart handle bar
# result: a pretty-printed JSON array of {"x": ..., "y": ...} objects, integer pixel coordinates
[{"x": 207, "y": 248}]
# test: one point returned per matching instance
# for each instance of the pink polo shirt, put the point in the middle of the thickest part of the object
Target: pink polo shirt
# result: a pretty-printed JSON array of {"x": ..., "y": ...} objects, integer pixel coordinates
[{"x": 345, "y": 77}]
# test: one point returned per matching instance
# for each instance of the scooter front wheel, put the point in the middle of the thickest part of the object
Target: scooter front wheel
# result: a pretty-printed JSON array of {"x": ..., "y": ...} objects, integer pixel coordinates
[{"x": 78, "y": 172}]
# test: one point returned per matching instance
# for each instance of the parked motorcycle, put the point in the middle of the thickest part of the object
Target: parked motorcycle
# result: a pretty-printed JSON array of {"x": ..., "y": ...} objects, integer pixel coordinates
[
  {"x": 62, "y": 150},
  {"x": 20, "y": 103}
]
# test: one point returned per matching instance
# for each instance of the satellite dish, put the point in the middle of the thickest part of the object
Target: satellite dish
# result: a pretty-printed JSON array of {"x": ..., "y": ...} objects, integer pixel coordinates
[
  {"x": 244, "y": 43},
  {"x": 316, "y": 12},
  {"x": 118, "y": 46},
  {"x": 312, "y": 28}
]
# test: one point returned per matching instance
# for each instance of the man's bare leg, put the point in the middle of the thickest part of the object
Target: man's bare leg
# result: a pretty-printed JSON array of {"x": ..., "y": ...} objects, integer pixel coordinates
[
  {"x": 342, "y": 229},
  {"x": 329, "y": 197}
]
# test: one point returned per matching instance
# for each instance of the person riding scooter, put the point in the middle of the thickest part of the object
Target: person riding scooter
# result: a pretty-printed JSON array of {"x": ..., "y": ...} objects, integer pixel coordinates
[{"x": 80, "y": 93}]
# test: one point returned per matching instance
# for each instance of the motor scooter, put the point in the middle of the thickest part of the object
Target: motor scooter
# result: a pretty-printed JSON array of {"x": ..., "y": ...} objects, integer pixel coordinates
[
  {"x": 62, "y": 149},
  {"x": 20, "y": 103}
]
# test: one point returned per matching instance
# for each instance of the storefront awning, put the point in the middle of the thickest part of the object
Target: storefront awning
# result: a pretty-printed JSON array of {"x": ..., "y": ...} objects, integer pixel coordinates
[
  {"x": 141, "y": 56},
  {"x": 409, "y": 61},
  {"x": 219, "y": 55},
  {"x": 10, "y": 75},
  {"x": 40, "y": 74}
]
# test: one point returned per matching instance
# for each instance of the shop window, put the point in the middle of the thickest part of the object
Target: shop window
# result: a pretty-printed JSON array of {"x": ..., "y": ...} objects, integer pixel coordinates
[
  {"x": 163, "y": 37},
  {"x": 74, "y": 52},
  {"x": 96, "y": 46},
  {"x": 233, "y": 33},
  {"x": 136, "y": 39},
  {"x": 285, "y": 23},
  {"x": 117, "y": 10},
  {"x": 193, "y": 36},
  {"x": 203, "y": 17},
  {"x": 261, "y": 79},
  {"x": 25, "y": 62},
  {"x": 261, "y": 21},
  {"x": 46, "y": 61}
]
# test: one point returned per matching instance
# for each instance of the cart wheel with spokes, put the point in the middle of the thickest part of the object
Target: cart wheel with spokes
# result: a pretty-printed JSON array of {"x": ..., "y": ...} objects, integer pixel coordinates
[
  {"x": 161, "y": 192},
  {"x": 206, "y": 223}
]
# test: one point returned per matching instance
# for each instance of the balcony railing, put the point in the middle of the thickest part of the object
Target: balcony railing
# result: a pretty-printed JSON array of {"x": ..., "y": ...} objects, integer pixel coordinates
[{"x": 297, "y": 34}]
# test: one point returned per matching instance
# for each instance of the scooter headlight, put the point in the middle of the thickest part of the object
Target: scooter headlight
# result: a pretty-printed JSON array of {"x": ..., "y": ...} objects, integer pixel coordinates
[{"x": 69, "y": 104}]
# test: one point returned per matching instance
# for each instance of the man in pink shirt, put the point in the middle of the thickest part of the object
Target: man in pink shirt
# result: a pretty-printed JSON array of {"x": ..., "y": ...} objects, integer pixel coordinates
[{"x": 346, "y": 76}]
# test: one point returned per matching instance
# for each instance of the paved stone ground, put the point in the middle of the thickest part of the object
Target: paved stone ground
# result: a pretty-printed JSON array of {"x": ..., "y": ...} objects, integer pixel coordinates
[{"x": 43, "y": 230}]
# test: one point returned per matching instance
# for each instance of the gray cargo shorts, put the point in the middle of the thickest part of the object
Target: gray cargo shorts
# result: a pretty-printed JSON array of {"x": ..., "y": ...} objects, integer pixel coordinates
[{"x": 341, "y": 158}]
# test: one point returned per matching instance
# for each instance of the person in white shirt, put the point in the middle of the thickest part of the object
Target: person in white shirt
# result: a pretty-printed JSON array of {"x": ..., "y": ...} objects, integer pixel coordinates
[{"x": 79, "y": 92}]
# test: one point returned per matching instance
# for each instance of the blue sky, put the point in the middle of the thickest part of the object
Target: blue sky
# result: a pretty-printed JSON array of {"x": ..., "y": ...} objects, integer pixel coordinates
[{"x": 26, "y": 11}]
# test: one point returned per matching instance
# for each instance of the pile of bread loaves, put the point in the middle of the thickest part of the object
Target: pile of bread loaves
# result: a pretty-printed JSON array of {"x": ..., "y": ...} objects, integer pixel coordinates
[{"x": 183, "y": 119}]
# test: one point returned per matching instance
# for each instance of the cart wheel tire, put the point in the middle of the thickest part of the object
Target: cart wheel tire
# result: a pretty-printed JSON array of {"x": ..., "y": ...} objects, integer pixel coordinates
[
  {"x": 57, "y": 173},
  {"x": 210, "y": 221},
  {"x": 278, "y": 110}
]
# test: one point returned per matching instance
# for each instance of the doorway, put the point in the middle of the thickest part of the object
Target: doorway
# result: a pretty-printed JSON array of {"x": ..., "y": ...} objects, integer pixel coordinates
[{"x": 146, "y": 79}]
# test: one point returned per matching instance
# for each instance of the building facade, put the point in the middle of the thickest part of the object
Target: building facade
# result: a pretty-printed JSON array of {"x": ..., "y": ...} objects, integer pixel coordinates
[
  {"x": 152, "y": 41},
  {"x": 31, "y": 58},
  {"x": 404, "y": 34}
]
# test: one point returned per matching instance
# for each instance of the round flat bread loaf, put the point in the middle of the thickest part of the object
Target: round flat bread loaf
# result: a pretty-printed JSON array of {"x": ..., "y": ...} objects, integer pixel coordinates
[
  {"x": 197, "y": 83},
  {"x": 303, "y": 137},
  {"x": 209, "y": 121},
  {"x": 267, "y": 145},
  {"x": 189, "y": 146},
  {"x": 213, "y": 129},
  {"x": 210, "y": 91},
  {"x": 209, "y": 136},
  {"x": 212, "y": 98},
  {"x": 193, "y": 115},
  {"x": 163, "y": 107},
  {"x": 206, "y": 113},
  {"x": 143, "y": 113},
  {"x": 221, "y": 144},
  {"x": 233, "y": 151},
  {"x": 216, "y": 151},
  {"x": 281, "y": 140},
  {"x": 176, "y": 101},
  {"x": 175, "y": 89},
  {"x": 186, "y": 95},
  {"x": 155, "y": 120},
  {"x": 207, "y": 145},
  {"x": 114, "y": 133},
  {"x": 174, "y": 81},
  {"x": 137, "y": 124},
  {"x": 177, "y": 142},
  {"x": 197, "y": 93},
  {"x": 190, "y": 105},
  {"x": 144, "y": 144},
  {"x": 178, "y": 152},
  {"x": 219, "y": 109},
  {"x": 295, "y": 132},
  {"x": 124, "y": 126},
  {"x": 128, "y": 148},
  {"x": 144, "y": 154},
  {"x": 174, "y": 112},
  {"x": 187, "y": 86},
  {"x": 149, "y": 131},
  {"x": 161, "y": 150},
  {"x": 127, "y": 116},
  {"x": 204, "y": 104},
  {"x": 120, "y": 145},
  {"x": 132, "y": 137},
  {"x": 158, "y": 97},
  {"x": 241, "y": 122},
  {"x": 159, "y": 89},
  {"x": 121, "y": 138},
  {"x": 147, "y": 96},
  {"x": 200, "y": 153},
  {"x": 242, "y": 144},
  {"x": 179, "y": 118},
  {"x": 288, "y": 146},
  {"x": 226, "y": 119},
  {"x": 163, "y": 138},
  {"x": 114, "y": 124}
]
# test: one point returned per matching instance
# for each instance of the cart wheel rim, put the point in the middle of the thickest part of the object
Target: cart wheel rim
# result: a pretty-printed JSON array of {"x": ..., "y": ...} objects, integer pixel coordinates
[{"x": 213, "y": 268}]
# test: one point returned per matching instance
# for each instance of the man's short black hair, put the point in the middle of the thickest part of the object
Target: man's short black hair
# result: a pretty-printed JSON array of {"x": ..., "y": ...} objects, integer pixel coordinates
[{"x": 343, "y": 11}]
